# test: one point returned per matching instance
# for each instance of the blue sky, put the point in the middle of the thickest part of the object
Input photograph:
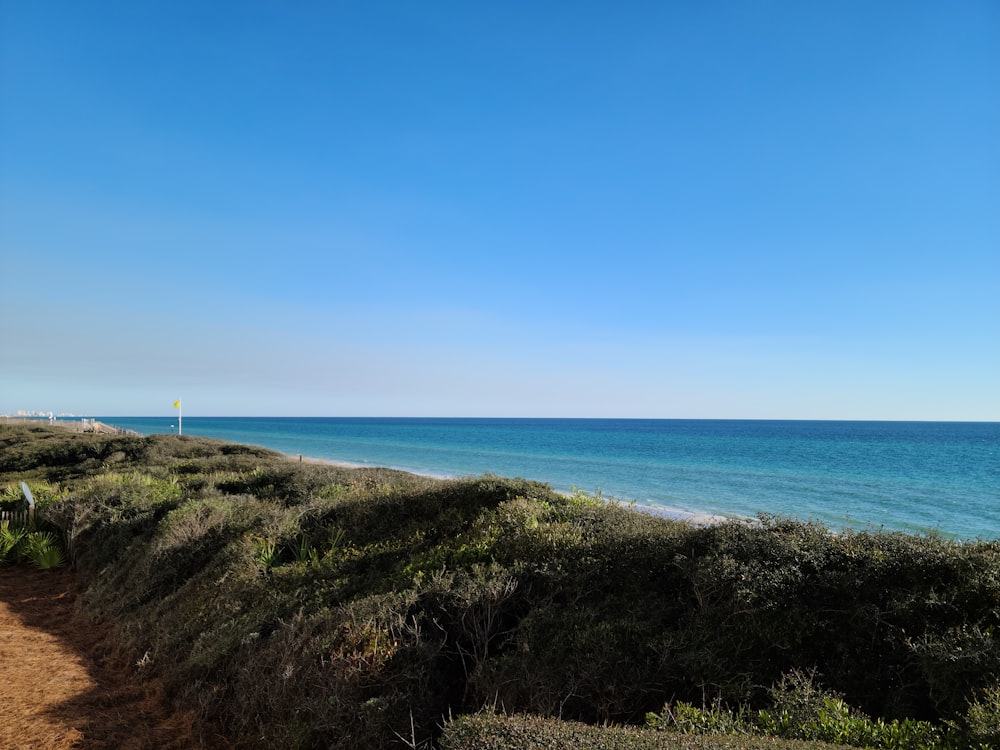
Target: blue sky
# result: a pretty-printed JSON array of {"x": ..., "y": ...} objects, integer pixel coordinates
[{"x": 646, "y": 209}]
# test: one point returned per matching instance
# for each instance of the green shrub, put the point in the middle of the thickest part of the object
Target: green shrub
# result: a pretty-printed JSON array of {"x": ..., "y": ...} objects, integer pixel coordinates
[
  {"x": 982, "y": 719},
  {"x": 43, "y": 549},
  {"x": 686, "y": 718},
  {"x": 802, "y": 710},
  {"x": 489, "y": 731},
  {"x": 304, "y": 551},
  {"x": 11, "y": 538},
  {"x": 266, "y": 553}
]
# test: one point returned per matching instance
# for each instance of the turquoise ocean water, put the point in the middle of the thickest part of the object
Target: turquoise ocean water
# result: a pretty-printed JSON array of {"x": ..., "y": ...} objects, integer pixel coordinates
[{"x": 910, "y": 476}]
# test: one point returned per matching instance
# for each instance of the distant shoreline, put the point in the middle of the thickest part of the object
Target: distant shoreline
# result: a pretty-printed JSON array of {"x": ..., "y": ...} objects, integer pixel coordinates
[
  {"x": 673, "y": 514},
  {"x": 77, "y": 424},
  {"x": 919, "y": 478},
  {"x": 85, "y": 425}
]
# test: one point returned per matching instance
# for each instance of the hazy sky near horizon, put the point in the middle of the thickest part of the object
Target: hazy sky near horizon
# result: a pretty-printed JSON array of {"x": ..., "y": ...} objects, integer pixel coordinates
[{"x": 646, "y": 209}]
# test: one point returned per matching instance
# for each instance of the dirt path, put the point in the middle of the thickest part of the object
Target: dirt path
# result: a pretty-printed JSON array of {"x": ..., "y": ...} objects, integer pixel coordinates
[{"x": 58, "y": 690}]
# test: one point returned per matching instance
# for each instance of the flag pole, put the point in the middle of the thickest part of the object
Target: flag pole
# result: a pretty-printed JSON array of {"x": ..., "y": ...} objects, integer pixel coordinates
[{"x": 180, "y": 417}]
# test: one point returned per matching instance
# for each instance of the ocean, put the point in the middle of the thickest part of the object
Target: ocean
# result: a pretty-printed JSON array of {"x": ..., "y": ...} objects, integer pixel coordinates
[{"x": 918, "y": 477}]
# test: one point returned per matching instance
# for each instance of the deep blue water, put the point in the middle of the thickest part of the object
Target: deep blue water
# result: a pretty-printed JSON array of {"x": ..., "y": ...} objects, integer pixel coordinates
[{"x": 911, "y": 476}]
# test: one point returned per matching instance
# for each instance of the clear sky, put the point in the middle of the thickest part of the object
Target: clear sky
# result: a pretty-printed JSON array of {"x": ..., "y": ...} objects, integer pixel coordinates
[{"x": 743, "y": 209}]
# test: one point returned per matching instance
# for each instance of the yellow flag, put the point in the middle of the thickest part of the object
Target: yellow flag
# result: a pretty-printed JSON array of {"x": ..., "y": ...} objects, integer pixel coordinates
[{"x": 177, "y": 404}]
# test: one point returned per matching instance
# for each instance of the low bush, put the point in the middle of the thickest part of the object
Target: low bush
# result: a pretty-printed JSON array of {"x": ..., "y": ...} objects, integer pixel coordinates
[
  {"x": 489, "y": 731},
  {"x": 801, "y": 709},
  {"x": 982, "y": 719}
]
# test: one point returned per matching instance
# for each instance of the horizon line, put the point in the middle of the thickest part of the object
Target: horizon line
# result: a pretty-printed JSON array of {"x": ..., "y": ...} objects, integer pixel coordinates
[{"x": 70, "y": 416}]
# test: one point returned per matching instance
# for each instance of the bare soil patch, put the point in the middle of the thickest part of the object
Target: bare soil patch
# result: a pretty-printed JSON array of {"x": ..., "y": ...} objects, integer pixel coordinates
[{"x": 60, "y": 686}]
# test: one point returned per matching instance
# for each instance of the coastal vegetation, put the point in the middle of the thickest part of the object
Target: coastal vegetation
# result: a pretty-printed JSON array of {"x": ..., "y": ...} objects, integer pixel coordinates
[
  {"x": 39, "y": 544},
  {"x": 306, "y": 605}
]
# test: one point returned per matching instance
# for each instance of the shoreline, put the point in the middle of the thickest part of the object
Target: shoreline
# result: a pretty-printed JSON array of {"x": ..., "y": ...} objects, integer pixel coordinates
[
  {"x": 94, "y": 426},
  {"x": 932, "y": 482},
  {"x": 672, "y": 514}
]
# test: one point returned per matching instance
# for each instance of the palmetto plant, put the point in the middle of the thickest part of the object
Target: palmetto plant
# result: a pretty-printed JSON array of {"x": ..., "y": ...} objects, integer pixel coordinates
[
  {"x": 10, "y": 539},
  {"x": 40, "y": 547},
  {"x": 266, "y": 553},
  {"x": 43, "y": 549},
  {"x": 304, "y": 551}
]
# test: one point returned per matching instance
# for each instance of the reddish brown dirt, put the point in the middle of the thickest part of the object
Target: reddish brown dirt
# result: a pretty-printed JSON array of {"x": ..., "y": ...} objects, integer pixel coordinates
[{"x": 59, "y": 689}]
